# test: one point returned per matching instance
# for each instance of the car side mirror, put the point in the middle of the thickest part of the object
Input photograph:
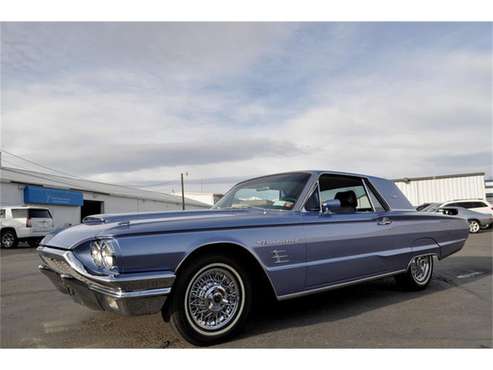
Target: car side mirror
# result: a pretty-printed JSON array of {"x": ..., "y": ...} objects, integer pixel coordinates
[{"x": 330, "y": 205}]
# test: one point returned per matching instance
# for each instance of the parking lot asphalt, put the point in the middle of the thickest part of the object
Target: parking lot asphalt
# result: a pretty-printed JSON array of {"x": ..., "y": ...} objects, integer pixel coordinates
[{"x": 455, "y": 311}]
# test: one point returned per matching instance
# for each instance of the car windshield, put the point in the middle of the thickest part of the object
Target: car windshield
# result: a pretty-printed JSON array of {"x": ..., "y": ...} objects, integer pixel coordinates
[{"x": 270, "y": 192}]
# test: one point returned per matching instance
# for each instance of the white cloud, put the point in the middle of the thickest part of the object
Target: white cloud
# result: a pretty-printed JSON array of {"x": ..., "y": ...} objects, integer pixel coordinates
[{"x": 139, "y": 108}]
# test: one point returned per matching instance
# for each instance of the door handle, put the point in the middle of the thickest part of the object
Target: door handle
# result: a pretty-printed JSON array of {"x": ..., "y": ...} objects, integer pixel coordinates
[{"x": 384, "y": 221}]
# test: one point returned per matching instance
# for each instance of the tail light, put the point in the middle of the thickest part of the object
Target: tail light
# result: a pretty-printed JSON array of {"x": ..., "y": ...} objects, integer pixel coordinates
[{"x": 29, "y": 222}]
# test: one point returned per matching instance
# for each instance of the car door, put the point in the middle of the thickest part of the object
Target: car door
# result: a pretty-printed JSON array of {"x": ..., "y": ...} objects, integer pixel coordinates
[{"x": 351, "y": 244}]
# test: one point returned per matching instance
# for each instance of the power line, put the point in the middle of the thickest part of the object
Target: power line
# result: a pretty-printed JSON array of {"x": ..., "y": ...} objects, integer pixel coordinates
[{"x": 39, "y": 165}]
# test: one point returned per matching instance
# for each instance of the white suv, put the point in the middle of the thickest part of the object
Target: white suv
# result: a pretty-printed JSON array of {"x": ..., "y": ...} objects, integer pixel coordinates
[
  {"x": 29, "y": 224},
  {"x": 476, "y": 205}
]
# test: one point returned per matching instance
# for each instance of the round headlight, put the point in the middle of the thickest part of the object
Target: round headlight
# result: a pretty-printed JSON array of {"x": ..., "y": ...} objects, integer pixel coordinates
[
  {"x": 96, "y": 253},
  {"x": 107, "y": 254},
  {"x": 103, "y": 253}
]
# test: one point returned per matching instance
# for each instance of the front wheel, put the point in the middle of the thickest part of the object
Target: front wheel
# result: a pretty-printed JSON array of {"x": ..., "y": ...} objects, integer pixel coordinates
[
  {"x": 9, "y": 239},
  {"x": 474, "y": 226},
  {"x": 418, "y": 274},
  {"x": 211, "y": 300}
]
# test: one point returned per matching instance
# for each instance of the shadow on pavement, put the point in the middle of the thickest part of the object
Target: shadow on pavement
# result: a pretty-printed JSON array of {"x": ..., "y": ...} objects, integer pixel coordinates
[{"x": 351, "y": 301}]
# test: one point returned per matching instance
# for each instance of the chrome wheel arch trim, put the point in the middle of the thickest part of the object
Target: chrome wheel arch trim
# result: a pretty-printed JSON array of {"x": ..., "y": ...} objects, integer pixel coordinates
[{"x": 238, "y": 312}]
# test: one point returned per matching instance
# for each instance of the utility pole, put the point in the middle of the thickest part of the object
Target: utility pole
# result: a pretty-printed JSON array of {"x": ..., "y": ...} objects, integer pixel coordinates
[{"x": 182, "y": 193}]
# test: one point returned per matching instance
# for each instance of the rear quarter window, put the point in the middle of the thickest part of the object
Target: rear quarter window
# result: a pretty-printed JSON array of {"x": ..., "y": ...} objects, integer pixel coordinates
[
  {"x": 479, "y": 205},
  {"x": 39, "y": 213},
  {"x": 2, "y": 213},
  {"x": 472, "y": 204}
]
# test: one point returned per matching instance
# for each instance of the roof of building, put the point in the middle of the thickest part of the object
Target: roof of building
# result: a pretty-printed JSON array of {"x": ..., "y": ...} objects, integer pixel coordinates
[
  {"x": 21, "y": 176},
  {"x": 407, "y": 179}
]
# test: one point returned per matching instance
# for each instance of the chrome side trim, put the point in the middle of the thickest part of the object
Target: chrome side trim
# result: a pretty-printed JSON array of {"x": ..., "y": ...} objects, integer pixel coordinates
[
  {"x": 337, "y": 285},
  {"x": 132, "y": 294},
  {"x": 452, "y": 242}
]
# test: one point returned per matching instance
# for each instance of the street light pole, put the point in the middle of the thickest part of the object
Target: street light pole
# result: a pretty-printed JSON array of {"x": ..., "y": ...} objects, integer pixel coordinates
[{"x": 182, "y": 193}]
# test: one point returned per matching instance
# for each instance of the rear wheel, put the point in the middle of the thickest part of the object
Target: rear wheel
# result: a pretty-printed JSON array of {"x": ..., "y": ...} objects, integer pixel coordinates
[
  {"x": 474, "y": 226},
  {"x": 418, "y": 275},
  {"x": 8, "y": 239},
  {"x": 211, "y": 299}
]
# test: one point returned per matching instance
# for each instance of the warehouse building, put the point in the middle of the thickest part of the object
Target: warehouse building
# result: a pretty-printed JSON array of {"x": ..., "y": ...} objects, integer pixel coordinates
[
  {"x": 203, "y": 197},
  {"x": 71, "y": 199},
  {"x": 430, "y": 189}
]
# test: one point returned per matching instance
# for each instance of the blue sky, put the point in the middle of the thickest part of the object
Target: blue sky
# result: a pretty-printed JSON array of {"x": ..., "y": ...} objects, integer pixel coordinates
[{"x": 137, "y": 103}]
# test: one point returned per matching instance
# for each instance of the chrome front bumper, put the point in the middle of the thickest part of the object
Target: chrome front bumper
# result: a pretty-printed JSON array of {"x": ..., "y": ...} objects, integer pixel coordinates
[{"x": 127, "y": 294}]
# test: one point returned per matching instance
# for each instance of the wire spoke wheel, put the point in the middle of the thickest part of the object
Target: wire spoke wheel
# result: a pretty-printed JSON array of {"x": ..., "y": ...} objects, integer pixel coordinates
[
  {"x": 214, "y": 298},
  {"x": 421, "y": 268}
]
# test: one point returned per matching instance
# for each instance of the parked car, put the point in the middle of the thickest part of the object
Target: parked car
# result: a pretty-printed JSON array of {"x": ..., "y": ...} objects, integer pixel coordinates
[
  {"x": 28, "y": 224},
  {"x": 476, "y": 220},
  {"x": 476, "y": 205},
  {"x": 293, "y": 234}
]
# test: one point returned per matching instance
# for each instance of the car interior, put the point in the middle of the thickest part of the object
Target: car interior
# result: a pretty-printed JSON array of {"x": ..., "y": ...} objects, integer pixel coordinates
[{"x": 349, "y": 190}]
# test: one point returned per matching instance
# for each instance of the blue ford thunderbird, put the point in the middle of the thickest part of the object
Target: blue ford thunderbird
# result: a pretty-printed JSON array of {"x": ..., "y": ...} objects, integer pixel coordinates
[{"x": 293, "y": 234}]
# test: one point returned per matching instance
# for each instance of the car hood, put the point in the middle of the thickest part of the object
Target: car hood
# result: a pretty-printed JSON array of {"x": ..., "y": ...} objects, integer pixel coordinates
[{"x": 122, "y": 225}]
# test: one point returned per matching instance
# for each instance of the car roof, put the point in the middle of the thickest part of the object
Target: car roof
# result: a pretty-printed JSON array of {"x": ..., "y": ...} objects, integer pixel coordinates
[
  {"x": 310, "y": 172},
  {"x": 465, "y": 200}
]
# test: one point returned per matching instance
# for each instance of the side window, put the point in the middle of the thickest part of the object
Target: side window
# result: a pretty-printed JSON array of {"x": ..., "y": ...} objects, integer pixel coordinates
[
  {"x": 455, "y": 205},
  {"x": 2, "y": 213},
  {"x": 478, "y": 205},
  {"x": 19, "y": 213},
  {"x": 349, "y": 190}
]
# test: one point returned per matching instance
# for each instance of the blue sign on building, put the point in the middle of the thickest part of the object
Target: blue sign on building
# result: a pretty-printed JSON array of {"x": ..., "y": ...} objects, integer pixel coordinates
[{"x": 41, "y": 195}]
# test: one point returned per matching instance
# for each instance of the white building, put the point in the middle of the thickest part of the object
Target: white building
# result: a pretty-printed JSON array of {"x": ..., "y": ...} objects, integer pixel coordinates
[
  {"x": 207, "y": 198},
  {"x": 421, "y": 190},
  {"x": 71, "y": 199}
]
